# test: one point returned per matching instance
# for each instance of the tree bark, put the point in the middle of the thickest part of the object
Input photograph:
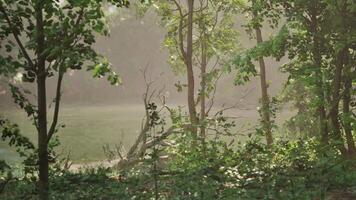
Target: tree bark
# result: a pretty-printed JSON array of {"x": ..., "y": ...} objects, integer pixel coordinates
[
  {"x": 340, "y": 63},
  {"x": 203, "y": 88},
  {"x": 266, "y": 118},
  {"x": 334, "y": 111},
  {"x": 190, "y": 74},
  {"x": 42, "y": 105},
  {"x": 42, "y": 138},
  {"x": 347, "y": 113},
  {"x": 53, "y": 126}
]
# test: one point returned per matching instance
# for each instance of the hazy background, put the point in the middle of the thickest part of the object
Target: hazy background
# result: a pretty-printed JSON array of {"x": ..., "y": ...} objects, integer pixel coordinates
[{"x": 96, "y": 113}]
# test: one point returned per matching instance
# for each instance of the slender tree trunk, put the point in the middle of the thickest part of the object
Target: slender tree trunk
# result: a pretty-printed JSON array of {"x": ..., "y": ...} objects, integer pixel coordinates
[
  {"x": 334, "y": 111},
  {"x": 42, "y": 139},
  {"x": 347, "y": 113},
  {"x": 203, "y": 88},
  {"x": 323, "y": 126},
  {"x": 190, "y": 74},
  {"x": 341, "y": 61},
  {"x": 266, "y": 121},
  {"x": 202, "y": 103},
  {"x": 344, "y": 59},
  {"x": 42, "y": 105}
]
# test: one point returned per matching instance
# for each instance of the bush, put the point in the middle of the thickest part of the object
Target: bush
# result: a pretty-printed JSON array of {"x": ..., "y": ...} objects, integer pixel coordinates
[{"x": 301, "y": 169}]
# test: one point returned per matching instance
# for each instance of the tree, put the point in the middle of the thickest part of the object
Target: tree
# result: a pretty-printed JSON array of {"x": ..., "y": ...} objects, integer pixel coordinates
[
  {"x": 266, "y": 121},
  {"x": 201, "y": 37},
  {"x": 318, "y": 47},
  {"x": 257, "y": 13},
  {"x": 188, "y": 60},
  {"x": 340, "y": 24},
  {"x": 305, "y": 18},
  {"x": 48, "y": 38},
  {"x": 348, "y": 117}
]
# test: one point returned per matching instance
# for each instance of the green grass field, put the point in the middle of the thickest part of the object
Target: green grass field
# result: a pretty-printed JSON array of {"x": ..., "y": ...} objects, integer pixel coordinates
[{"x": 88, "y": 128}]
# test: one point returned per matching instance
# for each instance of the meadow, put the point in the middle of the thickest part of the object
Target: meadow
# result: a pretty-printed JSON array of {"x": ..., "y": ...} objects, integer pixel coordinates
[
  {"x": 85, "y": 131},
  {"x": 88, "y": 128}
]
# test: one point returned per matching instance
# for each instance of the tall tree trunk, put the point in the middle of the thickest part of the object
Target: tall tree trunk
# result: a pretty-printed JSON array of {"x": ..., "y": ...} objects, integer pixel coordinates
[
  {"x": 334, "y": 111},
  {"x": 190, "y": 74},
  {"x": 340, "y": 62},
  {"x": 42, "y": 105},
  {"x": 323, "y": 126},
  {"x": 203, "y": 88},
  {"x": 266, "y": 119},
  {"x": 347, "y": 113},
  {"x": 42, "y": 138}
]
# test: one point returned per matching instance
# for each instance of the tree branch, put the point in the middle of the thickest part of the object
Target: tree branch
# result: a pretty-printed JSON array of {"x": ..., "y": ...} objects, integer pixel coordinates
[
  {"x": 56, "y": 107},
  {"x": 180, "y": 30},
  {"x": 52, "y": 129},
  {"x": 16, "y": 36}
]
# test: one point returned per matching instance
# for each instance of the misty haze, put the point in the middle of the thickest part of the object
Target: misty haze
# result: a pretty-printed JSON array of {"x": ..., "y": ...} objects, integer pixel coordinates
[
  {"x": 96, "y": 113},
  {"x": 250, "y": 99}
]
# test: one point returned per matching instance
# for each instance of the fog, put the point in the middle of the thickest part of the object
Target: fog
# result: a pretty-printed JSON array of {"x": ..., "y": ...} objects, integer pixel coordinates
[
  {"x": 135, "y": 43},
  {"x": 96, "y": 113}
]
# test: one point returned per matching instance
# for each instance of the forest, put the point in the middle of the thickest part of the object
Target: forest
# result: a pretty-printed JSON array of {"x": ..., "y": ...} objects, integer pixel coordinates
[{"x": 178, "y": 99}]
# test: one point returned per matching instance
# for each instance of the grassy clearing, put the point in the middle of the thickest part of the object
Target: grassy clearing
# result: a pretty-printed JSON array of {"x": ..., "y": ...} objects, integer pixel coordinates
[{"x": 88, "y": 128}]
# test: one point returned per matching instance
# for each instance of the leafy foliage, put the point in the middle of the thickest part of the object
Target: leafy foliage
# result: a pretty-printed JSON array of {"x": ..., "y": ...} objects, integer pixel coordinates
[
  {"x": 69, "y": 28},
  {"x": 317, "y": 37},
  {"x": 289, "y": 170}
]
